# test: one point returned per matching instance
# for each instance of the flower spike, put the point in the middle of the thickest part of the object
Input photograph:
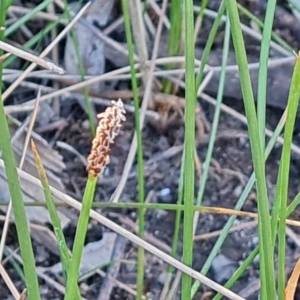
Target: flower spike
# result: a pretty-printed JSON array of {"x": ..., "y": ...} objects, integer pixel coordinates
[{"x": 110, "y": 122}]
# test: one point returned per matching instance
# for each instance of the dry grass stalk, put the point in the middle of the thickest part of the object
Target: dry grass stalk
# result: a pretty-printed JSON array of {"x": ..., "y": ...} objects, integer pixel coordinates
[
  {"x": 30, "y": 57},
  {"x": 4, "y": 57},
  {"x": 110, "y": 122},
  {"x": 23, "y": 295}
]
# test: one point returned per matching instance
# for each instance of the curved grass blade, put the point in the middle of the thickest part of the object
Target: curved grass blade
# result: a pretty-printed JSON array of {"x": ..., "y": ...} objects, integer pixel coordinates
[
  {"x": 64, "y": 251},
  {"x": 266, "y": 247},
  {"x": 15, "y": 188}
]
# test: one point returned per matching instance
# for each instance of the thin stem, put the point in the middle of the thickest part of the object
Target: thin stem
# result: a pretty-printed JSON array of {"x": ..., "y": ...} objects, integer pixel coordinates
[
  {"x": 8, "y": 155},
  {"x": 189, "y": 147},
  {"x": 266, "y": 249},
  {"x": 80, "y": 238},
  {"x": 141, "y": 191}
]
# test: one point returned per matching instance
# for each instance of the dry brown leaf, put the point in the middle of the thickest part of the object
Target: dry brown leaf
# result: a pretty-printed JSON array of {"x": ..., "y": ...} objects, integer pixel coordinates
[
  {"x": 23, "y": 295},
  {"x": 292, "y": 283}
]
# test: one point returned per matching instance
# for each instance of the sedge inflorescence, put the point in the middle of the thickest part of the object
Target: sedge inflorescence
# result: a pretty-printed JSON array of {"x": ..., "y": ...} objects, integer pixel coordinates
[{"x": 110, "y": 122}]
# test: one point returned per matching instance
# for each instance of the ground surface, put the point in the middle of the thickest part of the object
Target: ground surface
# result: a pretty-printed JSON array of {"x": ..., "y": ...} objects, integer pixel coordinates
[{"x": 231, "y": 168}]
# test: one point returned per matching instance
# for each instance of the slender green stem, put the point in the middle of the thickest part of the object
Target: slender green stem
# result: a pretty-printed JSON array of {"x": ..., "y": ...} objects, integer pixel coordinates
[
  {"x": 209, "y": 43},
  {"x": 64, "y": 251},
  {"x": 266, "y": 249},
  {"x": 173, "y": 207},
  {"x": 72, "y": 277},
  {"x": 15, "y": 264},
  {"x": 88, "y": 103},
  {"x": 240, "y": 202},
  {"x": 240, "y": 271},
  {"x": 277, "y": 208},
  {"x": 215, "y": 123},
  {"x": 141, "y": 192},
  {"x": 293, "y": 205},
  {"x": 262, "y": 83},
  {"x": 189, "y": 147},
  {"x": 202, "y": 9},
  {"x": 65, "y": 254},
  {"x": 214, "y": 129},
  {"x": 35, "y": 39},
  {"x": 176, "y": 233},
  {"x": 22, "y": 227},
  {"x": 275, "y": 37},
  {"x": 21, "y": 21},
  {"x": 263, "y": 71},
  {"x": 174, "y": 37},
  {"x": 284, "y": 171},
  {"x": 295, "y": 4},
  {"x": 93, "y": 270},
  {"x": 178, "y": 213}
]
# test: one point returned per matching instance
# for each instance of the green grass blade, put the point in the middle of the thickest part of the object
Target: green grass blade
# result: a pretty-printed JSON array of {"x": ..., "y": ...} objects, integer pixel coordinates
[
  {"x": 284, "y": 171},
  {"x": 239, "y": 272},
  {"x": 173, "y": 38},
  {"x": 274, "y": 218},
  {"x": 262, "y": 81},
  {"x": 35, "y": 39},
  {"x": 92, "y": 271},
  {"x": 65, "y": 254},
  {"x": 175, "y": 241},
  {"x": 173, "y": 207},
  {"x": 15, "y": 188},
  {"x": 208, "y": 45},
  {"x": 202, "y": 9},
  {"x": 88, "y": 103},
  {"x": 266, "y": 249},
  {"x": 214, "y": 130},
  {"x": 293, "y": 204},
  {"x": 63, "y": 248},
  {"x": 189, "y": 147},
  {"x": 84, "y": 216},
  {"x": 216, "y": 118},
  {"x": 176, "y": 233},
  {"x": 141, "y": 190},
  {"x": 295, "y": 4},
  {"x": 240, "y": 202},
  {"x": 263, "y": 71},
  {"x": 257, "y": 21},
  {"x": 21, "y": 21},
  {"x": 15, "y": 264}
]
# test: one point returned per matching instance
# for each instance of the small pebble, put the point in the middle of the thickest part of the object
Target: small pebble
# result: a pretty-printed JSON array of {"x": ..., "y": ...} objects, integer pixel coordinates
[
  {"x": 86, "y": 124},
  {"x": 165, "y": 192},
  {"x": 160, "y": 213},
  {"x": 162, "y": 277},
  {"x": 237, "y": 191},
  {"x": 223, "y": 268},
  {"x": 253, "y": 242}
]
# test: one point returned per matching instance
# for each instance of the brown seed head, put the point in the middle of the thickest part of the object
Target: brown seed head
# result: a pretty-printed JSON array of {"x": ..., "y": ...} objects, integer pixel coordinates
[{"x": 110, "y": 122}]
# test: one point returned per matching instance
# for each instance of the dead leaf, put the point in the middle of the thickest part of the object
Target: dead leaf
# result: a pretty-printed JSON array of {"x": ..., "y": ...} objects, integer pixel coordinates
[
  {"x": 23, "y": 295},
  {"x": 292, "y": 283}
]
